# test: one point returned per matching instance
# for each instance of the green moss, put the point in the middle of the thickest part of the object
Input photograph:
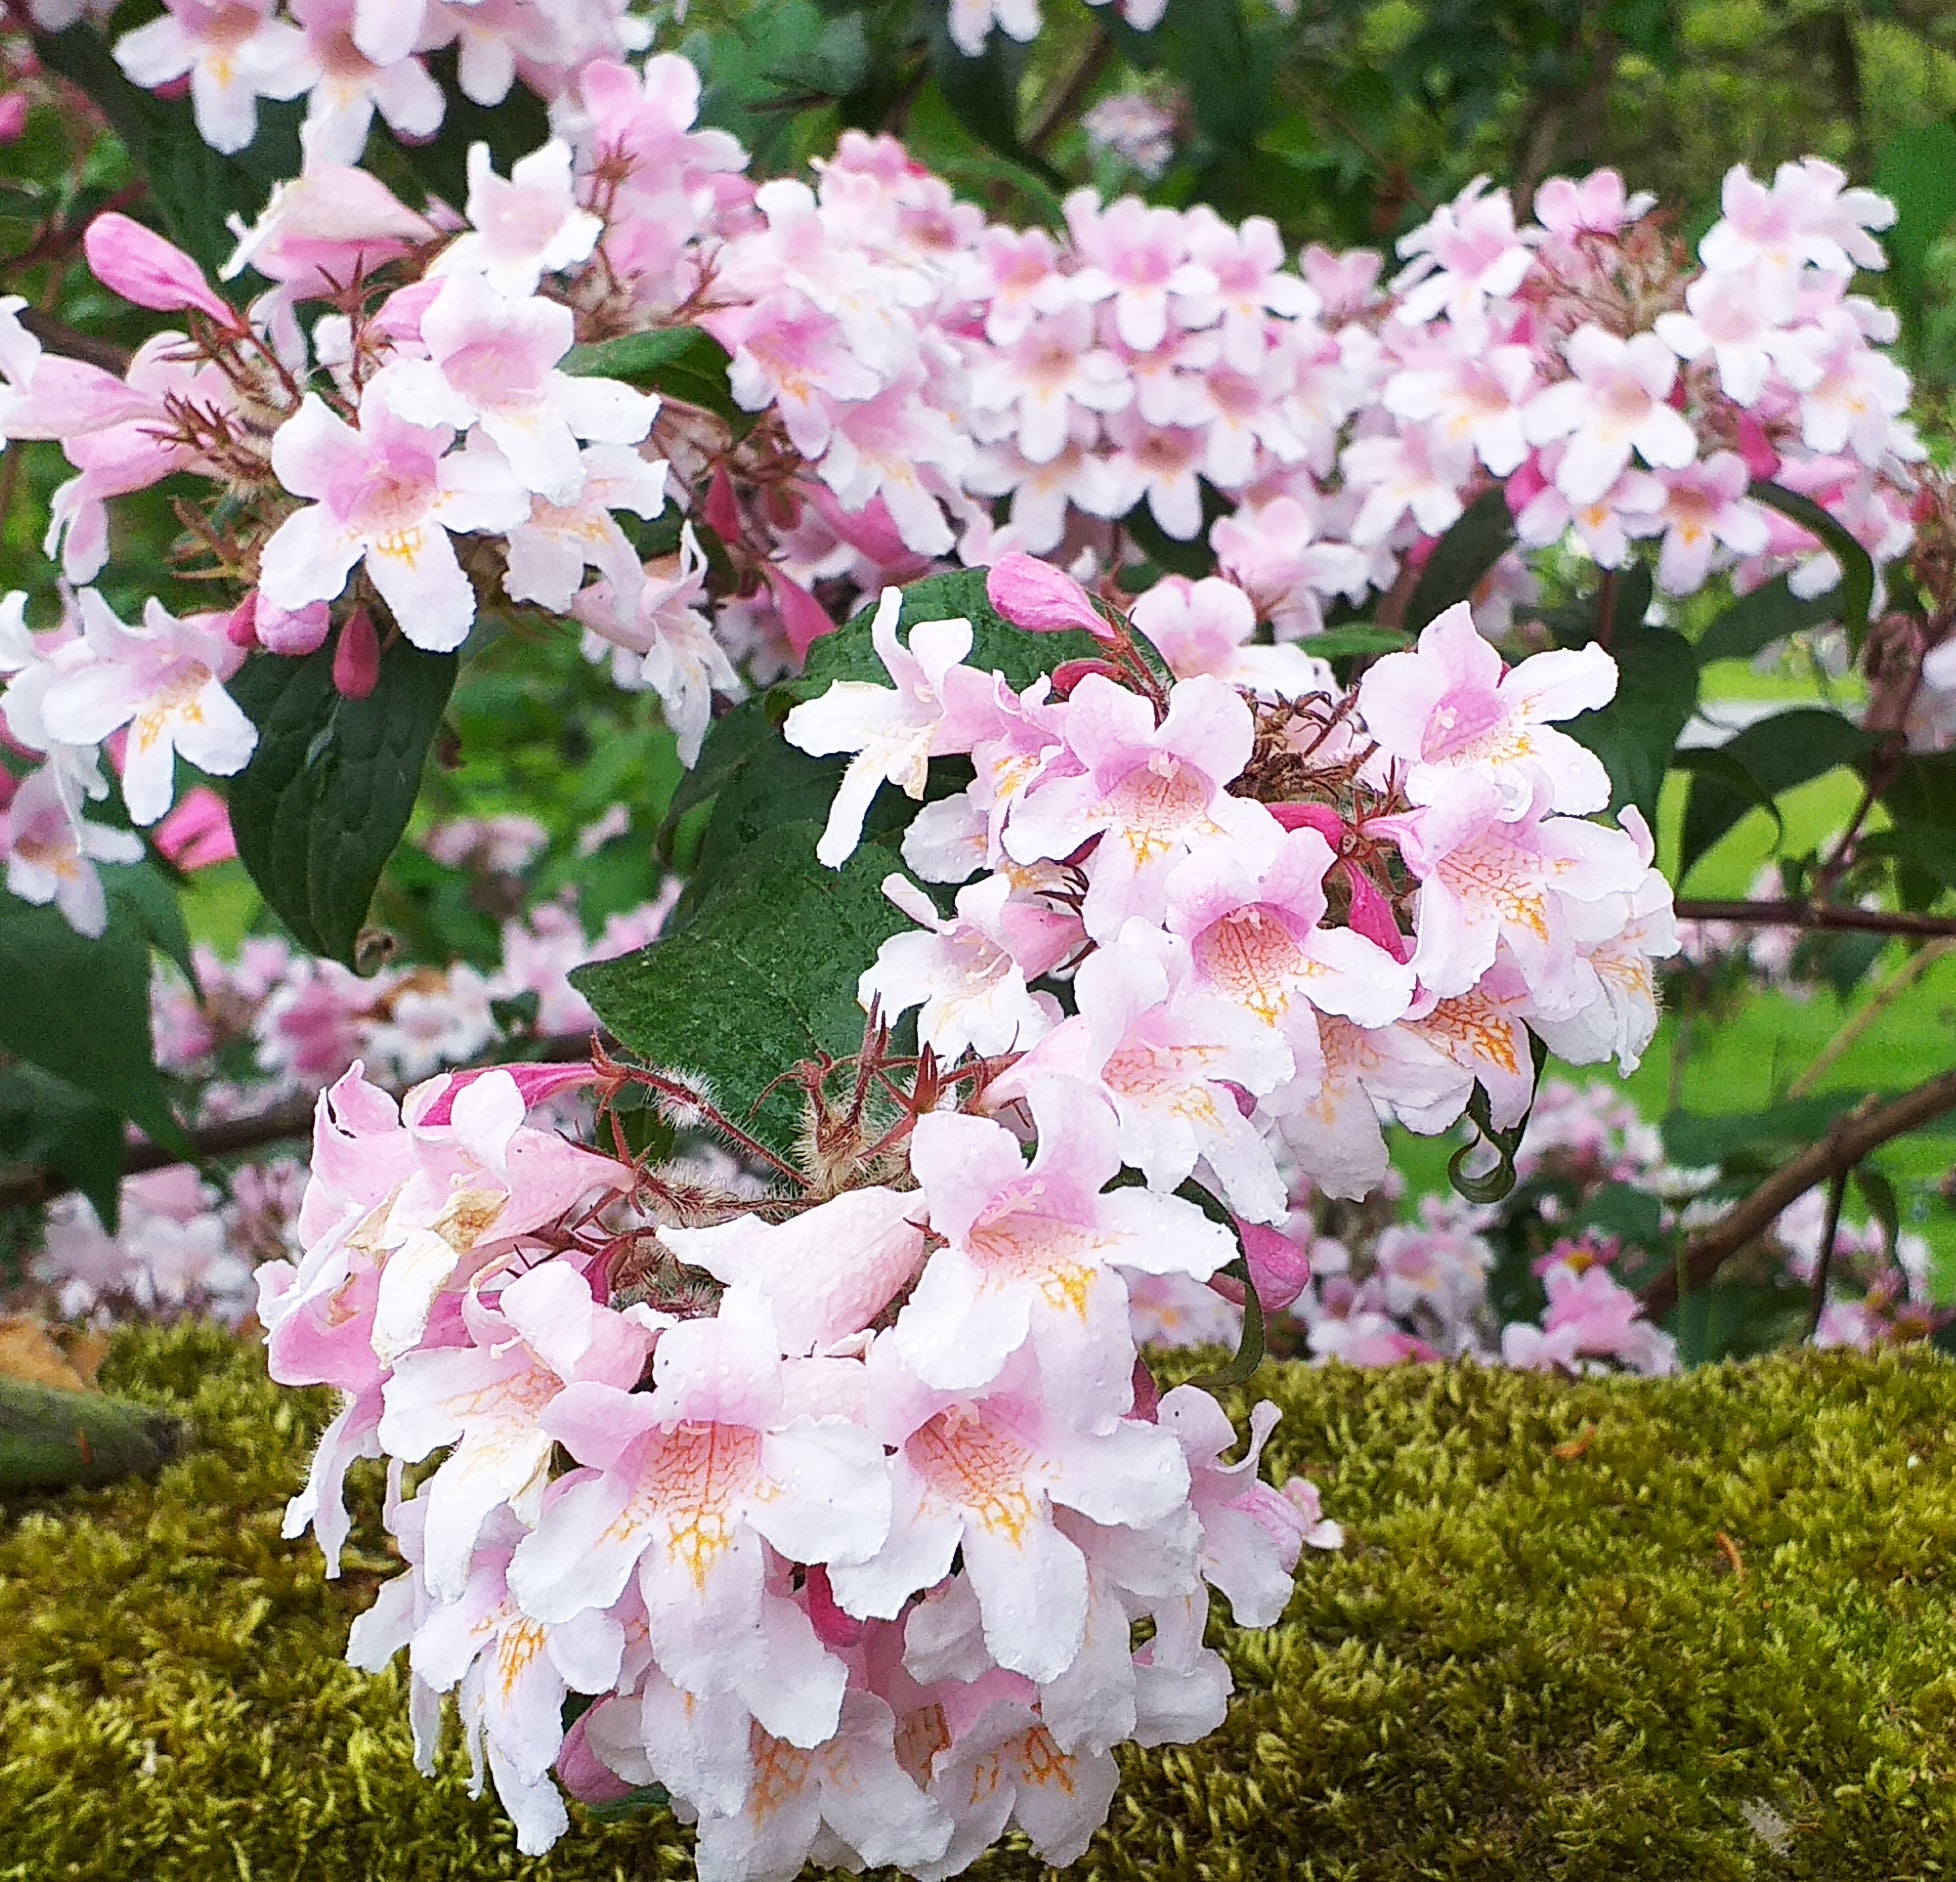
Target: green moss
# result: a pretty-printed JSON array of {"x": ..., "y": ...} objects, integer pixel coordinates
[{"x": 1535, "y": 1658}]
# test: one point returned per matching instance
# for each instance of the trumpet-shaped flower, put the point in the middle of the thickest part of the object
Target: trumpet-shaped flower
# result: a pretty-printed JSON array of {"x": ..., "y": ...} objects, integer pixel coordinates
[
  {"x": 165, "y": 681},
  {"x": 683, "y": 1486},
  {"x": 934, "y": 707},
  {"x": 1616, "y": 403},
  {"x": 968, "y": 974},
  {"x": 523, "y": 227},
  {"x": 1147, "y": 792},
  {"x": 387, "y": 495},
  {"x": 1033, "y": 1252},
  {"x": 1448, "y": 707}
]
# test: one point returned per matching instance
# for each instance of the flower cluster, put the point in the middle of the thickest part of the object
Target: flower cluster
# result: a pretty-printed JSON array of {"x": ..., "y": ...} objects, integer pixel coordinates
[
  {"x": 432, "y": 439},
  {"x": 353, "y": 60},
  {"x": 1275, "y": 915},
  {"x": 838, "y": 1509}
]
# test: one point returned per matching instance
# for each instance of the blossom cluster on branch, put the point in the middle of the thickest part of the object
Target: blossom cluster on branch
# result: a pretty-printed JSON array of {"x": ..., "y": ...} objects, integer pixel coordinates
[{"x": 928, "y": 384}]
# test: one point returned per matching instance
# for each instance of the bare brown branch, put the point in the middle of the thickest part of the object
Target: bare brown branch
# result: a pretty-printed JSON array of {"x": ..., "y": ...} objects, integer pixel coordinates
[
  {"x": 1820, "y": 915},
  {"x": 1852, "y": 1139}
]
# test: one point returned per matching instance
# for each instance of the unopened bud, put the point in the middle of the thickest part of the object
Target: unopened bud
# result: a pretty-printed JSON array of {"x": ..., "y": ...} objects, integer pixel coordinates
[
  {"x": 356, "y": 660},
  {"x": 148, "y": 271}
]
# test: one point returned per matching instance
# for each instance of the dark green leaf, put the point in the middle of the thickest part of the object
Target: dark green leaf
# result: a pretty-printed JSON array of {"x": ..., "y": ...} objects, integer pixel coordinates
[
  {"x": 1341, "y": 643},
  {"x": 762, "y": 977},
  {"x": 1920, "y": 797},
  {"x": 1757, "y": 1138},
  {"x": 327, "y": 794},
  {"x": 641, "y": 1802},
  {"x": 684, "y": 363},
  {"x": 1633, "y": 1215},
  {"x": 80, "y": 1009},
  {"x": 1636, "y": 733},
  {"x": 1730, "y": 773},
  {"x": 1484, "y": 533},
  {"x": 1755, "y": 621},
  {"x": 1497, "y": 1184},
  {"x": 1857, "y": 570},
  {"x": 1732, "y": 1321},
  {"x": 1777, "y": 753},
  {"x": 45, "y": 1121},
  {"x": 152, "y": 898}
]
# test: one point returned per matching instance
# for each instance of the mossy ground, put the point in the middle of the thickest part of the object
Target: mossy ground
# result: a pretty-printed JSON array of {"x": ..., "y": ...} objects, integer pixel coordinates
[{"x": 1535, "y": 1657}]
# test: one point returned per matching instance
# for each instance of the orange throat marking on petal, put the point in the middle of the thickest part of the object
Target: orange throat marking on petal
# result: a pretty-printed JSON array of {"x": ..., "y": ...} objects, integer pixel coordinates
[
  {"x": 519, "y": 1645},
  {"x": 1154, "y": 804},
  {"x": 978, "y": 1468},
  {"x": 1250, "y": 957},
  {"x": 690, "y": 1480}
]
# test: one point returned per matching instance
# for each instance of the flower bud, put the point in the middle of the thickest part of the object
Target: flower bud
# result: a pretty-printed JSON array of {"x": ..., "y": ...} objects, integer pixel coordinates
[
  {"x": 1037, "y": 597},
  {"x": 291, "y": 631},
  {"x": 149, "y": 272},
  {"x": 356, "y": 660}
]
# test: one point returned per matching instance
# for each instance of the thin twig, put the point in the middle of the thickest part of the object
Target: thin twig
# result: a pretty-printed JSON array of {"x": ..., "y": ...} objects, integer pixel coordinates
[
  {"x": 1823, "y": 1266},
  {"x": 29, "y": 1186},
  {"x": 1853, "y": 1138},
  {"x": 58, "y": 338},
  {"x": 1820, "y": 915},
  {"x": 1056, "y": 112}
]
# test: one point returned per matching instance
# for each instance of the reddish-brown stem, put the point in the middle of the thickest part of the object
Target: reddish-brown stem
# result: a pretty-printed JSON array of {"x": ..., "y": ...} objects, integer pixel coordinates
[{"x": 710, "y": 1114}]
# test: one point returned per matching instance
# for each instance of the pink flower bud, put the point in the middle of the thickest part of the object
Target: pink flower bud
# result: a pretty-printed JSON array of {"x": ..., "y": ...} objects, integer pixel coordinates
[
  {"x": 1372, "y": 916},
  {"x": 148, "y": 271},
  {"x": 1037, "y": 597},
  {"x": 1525, "y": 485},
  {"x": 1069, "y": 673},
  {"x": 293, "y": 632},
  {"x": 197, "y": 834},
  {"x": 584, "y": 1774},
  {"x": 241, "y": 624},
  {"x": 1761, "y": 460},
  {"x": 721, "y": 510},
  {"x": 833, "y": 1628},
  {"x": 356, "y": 660},
  {"x": 1279, "y": 1269},
  {"x": 534, "y": 1082},
  {"x": 13, "y": 116},
  {"x": 804, "y": 618}
]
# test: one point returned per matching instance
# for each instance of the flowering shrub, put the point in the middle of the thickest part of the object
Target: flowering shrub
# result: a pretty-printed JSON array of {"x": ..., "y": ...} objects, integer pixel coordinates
[{"x": 767, "y": 1425}]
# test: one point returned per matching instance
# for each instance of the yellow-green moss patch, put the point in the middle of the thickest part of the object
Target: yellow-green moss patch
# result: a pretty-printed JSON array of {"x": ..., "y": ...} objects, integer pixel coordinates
[{"x": 1695, "y": 1628}]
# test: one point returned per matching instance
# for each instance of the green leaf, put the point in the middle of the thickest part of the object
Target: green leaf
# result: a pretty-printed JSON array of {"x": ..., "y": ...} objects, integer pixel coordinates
[
  {"x": 1755, "y": 621},
  {"x": 763, "y": 976},
  {"x": 1479, "y": 538},
  {"x": 46, "y": 1121},
  {"x": 1343, "y": 643},
  {"x": 1498, "y": 1183},
  {"x": 1733, "y": 1320},
  {"x": 996, "y": 645},
  {"x": 1754, "y": 1139},
  {"x": 1729, "y": 773},
  {"x": 1920, "y": 797},
  {"x": 1775, "y": 754},
  {"x": 1633, "y": 1215},
  {"x": 1879, "y": 1194},
  {"x": 53, "y": 1440},
  {"x": 152, "y": 898},
  {"x": 1916, "y": 169},
  {"x": 80, "y": 1009},
  {"x": 1250, "y": 1348},
  {"x": 327, "y": 794},
  {"x": 1636, "y": 733},
  {"x": 640, "y": 1802},
  {"x": 1857, "y": 570},
  {"x": 684, "y": 363}
]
